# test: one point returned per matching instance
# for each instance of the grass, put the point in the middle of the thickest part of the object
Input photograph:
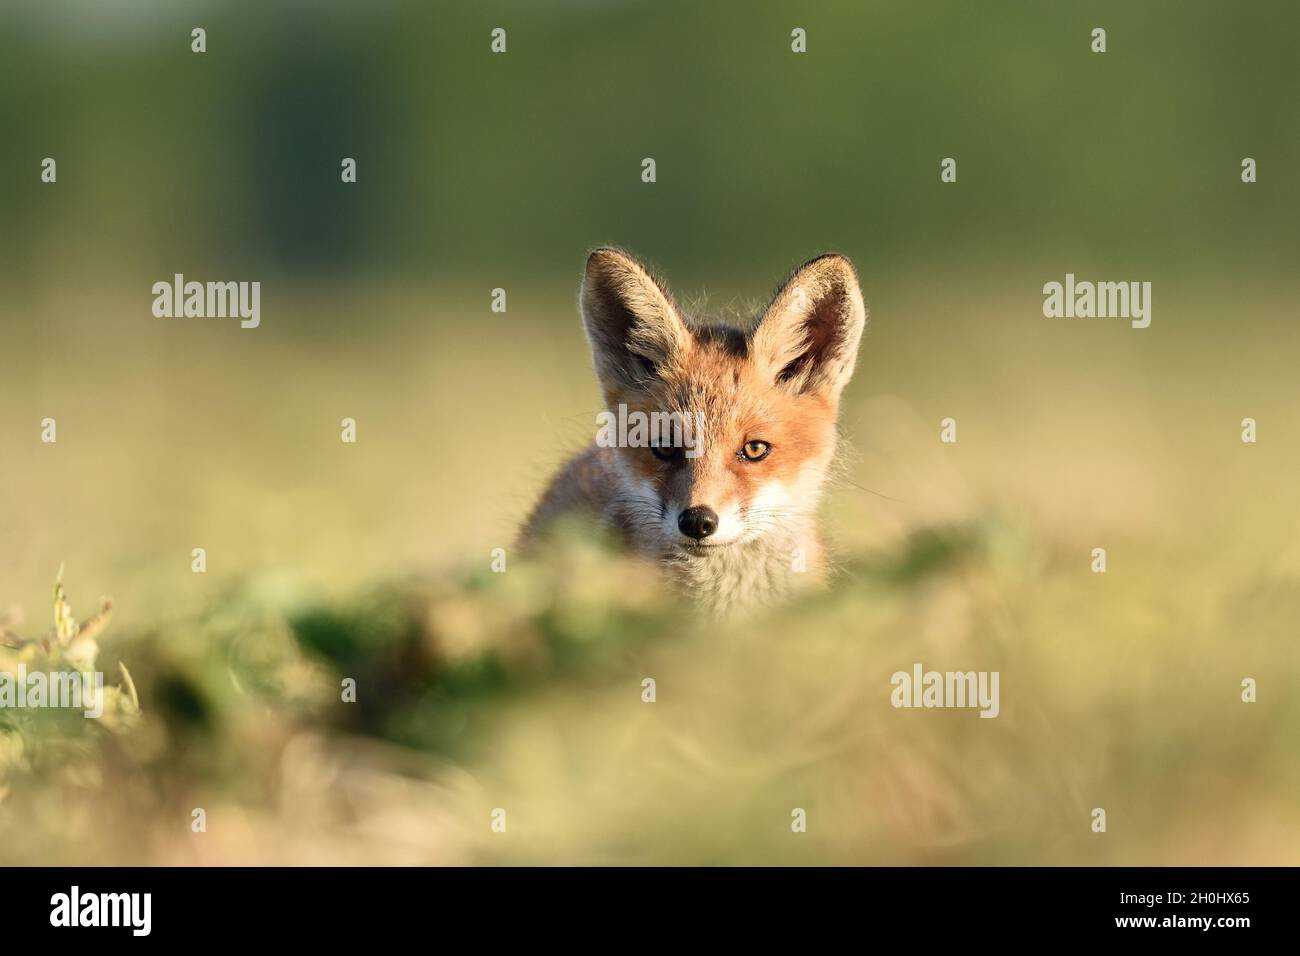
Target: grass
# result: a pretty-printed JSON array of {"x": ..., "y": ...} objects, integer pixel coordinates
[{"x": 523, "y": 690}]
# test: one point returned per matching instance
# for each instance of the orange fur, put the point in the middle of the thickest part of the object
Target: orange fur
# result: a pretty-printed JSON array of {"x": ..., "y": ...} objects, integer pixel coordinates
[{"x": 778, "y": 383}]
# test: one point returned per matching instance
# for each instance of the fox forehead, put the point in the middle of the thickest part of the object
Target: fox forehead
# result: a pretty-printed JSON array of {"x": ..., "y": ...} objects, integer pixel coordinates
[
  {"x": 716, "y": 383},
  {"x": 714, "y": 378}
]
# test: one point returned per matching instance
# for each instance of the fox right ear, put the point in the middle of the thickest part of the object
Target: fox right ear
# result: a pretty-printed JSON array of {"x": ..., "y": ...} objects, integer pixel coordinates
[
  {"x": 632, "y": 325},
  {"x": 809, "y": 336}
]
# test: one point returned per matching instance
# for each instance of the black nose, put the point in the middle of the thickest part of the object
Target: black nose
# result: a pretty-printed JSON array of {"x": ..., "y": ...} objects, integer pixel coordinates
[{"x": 698, "y": 522}]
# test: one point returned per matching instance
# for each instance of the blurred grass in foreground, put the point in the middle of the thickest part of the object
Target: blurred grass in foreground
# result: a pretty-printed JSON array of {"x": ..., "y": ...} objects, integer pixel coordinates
[{"x": 522, "y": 690}]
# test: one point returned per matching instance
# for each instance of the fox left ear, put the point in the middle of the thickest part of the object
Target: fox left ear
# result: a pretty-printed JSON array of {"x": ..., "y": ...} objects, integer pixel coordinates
[
  {"x": 632, "y": 324},
  {"x": 809, "y": 335}
]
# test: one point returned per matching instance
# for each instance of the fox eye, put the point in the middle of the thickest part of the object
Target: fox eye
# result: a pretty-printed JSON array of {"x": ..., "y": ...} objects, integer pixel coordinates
[
  {"x": 755, "y": 450},
  {"x": 664, "y": 452}
]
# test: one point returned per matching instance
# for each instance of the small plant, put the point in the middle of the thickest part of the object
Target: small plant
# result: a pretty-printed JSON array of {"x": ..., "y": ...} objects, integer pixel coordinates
[{"x": 68, "y": 648}]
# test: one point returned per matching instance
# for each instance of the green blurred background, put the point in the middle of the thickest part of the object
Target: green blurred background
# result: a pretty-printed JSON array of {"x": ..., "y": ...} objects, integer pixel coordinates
[{"x": 478, "y": 171}]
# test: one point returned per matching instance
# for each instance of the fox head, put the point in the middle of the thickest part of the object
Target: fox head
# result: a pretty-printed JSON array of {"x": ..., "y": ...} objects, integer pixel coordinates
[{"x": 757, "y": 406}]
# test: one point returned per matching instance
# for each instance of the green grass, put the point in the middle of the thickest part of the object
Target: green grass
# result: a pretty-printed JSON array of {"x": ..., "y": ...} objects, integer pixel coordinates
[{"x": 522, "y": 690}]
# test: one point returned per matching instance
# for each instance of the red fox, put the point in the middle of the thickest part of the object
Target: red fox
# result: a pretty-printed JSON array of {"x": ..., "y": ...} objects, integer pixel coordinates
[{"x": 724, "y": 493}]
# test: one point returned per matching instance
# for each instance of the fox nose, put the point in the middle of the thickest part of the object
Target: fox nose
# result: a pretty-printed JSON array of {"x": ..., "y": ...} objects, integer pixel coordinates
[{"x": 698, "y": 522}]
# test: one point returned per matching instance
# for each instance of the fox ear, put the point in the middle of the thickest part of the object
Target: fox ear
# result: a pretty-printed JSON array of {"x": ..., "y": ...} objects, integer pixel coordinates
[
  {"x": 631, "y": 322},
  {"x": 808, "y": 338}
]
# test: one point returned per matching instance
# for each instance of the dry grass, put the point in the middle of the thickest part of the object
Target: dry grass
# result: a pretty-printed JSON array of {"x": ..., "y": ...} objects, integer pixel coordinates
[{"x": 523, "y": 690}]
